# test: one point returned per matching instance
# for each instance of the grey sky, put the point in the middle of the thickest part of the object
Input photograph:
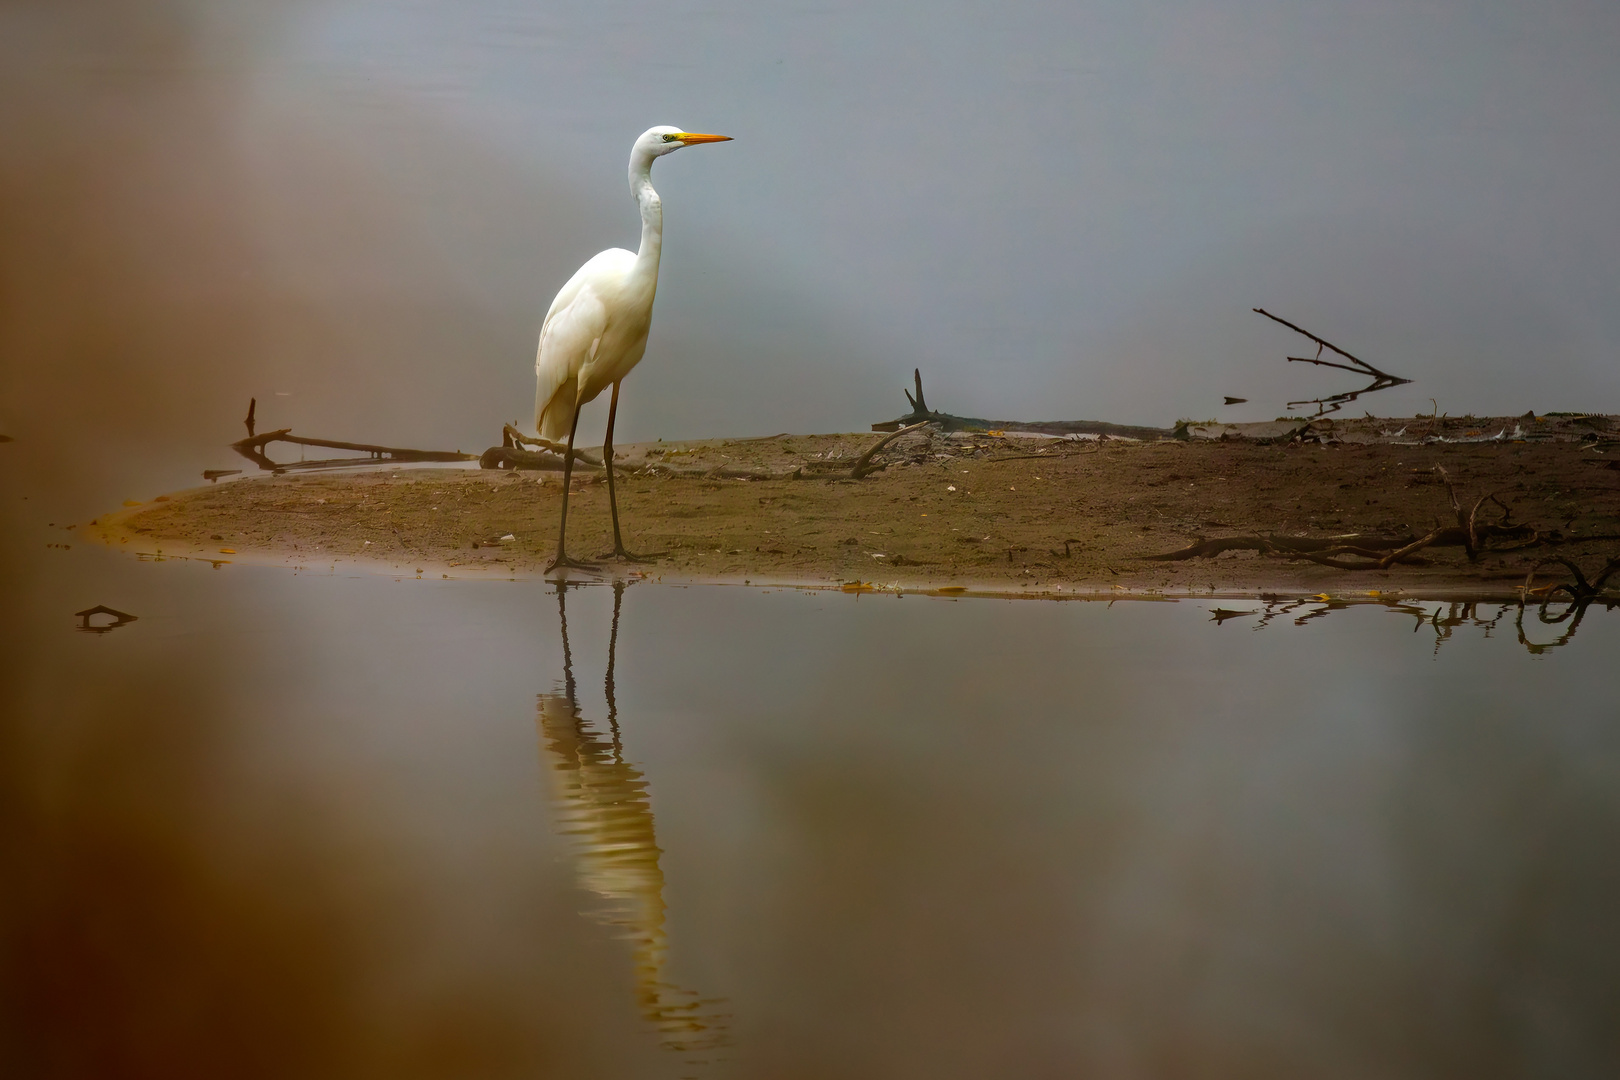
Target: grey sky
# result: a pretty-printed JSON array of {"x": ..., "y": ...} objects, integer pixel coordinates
[
  {"x": 1056, "y": 210},
  {"x": 1069, "y": 208}
]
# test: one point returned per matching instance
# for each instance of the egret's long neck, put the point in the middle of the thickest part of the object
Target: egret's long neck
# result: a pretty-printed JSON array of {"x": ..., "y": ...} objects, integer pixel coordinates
[{"x": 652, "y": 215}]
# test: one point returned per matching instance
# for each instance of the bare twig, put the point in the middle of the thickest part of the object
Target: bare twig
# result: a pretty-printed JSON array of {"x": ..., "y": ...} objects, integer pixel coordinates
[
  {"x": 1469, "y": 528},
  {"x": 1466, "y": 520},
  {"x": 1406, "y": 552},
  {"x": 1361, "y": 365}
]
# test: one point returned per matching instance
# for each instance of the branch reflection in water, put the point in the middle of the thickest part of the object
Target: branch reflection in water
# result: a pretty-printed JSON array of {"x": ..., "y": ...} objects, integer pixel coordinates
[
  {"x": 1442, "y": 618},
  {"x": 604, "y": 803},
  {"x": 1574, "y": 611}
]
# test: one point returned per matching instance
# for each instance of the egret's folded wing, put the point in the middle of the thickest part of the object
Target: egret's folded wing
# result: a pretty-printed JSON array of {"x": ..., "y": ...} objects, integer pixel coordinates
[{"x": 570, "y": 338}]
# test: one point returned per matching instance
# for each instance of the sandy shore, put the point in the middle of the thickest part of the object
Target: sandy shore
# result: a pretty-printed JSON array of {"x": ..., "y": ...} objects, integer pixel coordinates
[{"x": 974, "y": 512}]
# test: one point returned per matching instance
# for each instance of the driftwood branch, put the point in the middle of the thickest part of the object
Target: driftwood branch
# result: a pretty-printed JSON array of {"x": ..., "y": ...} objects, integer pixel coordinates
[
  {"x": 1205, "y": 549},
  {"x": 1358, "y": 552},
  {"x": 516, "y": 457},
  {"x": 511, "y": 437},
  {"x": 863, "y": 463},
  {"x": 920, "y": 413},
  {"x": 253, "y": 448},
  {"x": 1581, "y": 590},
  {"x": 1375, "y": 552},
  {"x": 1381, "y": 380}
]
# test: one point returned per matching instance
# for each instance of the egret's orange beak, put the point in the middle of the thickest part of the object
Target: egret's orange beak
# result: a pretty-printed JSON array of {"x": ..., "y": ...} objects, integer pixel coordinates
[{"x": 688, "y": 138}]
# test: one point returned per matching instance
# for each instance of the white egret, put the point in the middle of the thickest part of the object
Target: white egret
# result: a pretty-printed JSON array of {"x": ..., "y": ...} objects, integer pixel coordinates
[{"x": 596, "y": 330}]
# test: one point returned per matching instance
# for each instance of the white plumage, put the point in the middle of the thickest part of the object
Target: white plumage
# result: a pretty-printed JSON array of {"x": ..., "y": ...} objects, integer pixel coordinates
[{"x": 596, "y": 330}]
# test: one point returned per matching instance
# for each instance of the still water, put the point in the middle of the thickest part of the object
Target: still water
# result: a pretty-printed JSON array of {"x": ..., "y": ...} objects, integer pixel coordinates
[{"x": 325, "y": 825}]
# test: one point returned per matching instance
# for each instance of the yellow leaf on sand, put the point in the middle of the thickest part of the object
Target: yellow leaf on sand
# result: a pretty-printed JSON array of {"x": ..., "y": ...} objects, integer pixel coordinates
[
  {"x": 227, "y": 551},
  {"x": 856, "y": 586}
]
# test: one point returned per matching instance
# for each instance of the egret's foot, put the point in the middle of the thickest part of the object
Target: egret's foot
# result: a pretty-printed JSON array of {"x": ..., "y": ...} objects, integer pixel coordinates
[
  {"x": 620, "y": 554},
  {"x": 564, "y": 562}
]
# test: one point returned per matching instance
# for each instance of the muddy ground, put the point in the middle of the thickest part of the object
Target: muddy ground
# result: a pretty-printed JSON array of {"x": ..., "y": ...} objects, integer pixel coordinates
[{"x": 979, "y": 510}]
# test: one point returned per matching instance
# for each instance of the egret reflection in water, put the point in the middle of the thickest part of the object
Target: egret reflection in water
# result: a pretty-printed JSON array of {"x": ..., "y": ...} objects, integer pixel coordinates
[{"x": 603, "y": 802}]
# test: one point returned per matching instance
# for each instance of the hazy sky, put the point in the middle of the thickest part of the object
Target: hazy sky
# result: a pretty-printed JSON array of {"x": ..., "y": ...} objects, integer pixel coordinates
[{"x": 1057, "y": 211}]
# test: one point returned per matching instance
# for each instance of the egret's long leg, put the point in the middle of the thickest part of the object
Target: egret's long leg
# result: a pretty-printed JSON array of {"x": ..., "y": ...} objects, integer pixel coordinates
[
  {"x": 618, "y": 551},
  {"x": 562, "y": 558}
]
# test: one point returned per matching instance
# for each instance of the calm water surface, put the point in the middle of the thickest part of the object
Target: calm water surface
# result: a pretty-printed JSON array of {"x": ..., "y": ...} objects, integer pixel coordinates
[{"x": 325, "y": 825}]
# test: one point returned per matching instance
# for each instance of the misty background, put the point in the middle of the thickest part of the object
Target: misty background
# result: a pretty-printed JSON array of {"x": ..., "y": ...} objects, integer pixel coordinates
[{"x": 358, "y": 212}]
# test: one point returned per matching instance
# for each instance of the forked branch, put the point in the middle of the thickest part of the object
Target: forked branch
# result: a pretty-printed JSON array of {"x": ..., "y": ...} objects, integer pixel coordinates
[
  {"x": 254, "y": 447},
  {"x": 1381, "y": 380}
]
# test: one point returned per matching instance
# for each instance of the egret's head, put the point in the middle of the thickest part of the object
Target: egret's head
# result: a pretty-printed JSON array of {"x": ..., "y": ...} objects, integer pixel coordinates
[{"x": 664, "y": 139}]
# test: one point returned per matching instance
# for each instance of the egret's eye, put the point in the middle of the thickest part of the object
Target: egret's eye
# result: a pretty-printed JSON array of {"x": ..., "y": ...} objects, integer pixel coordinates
[{"x": 670, "y": 136}]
